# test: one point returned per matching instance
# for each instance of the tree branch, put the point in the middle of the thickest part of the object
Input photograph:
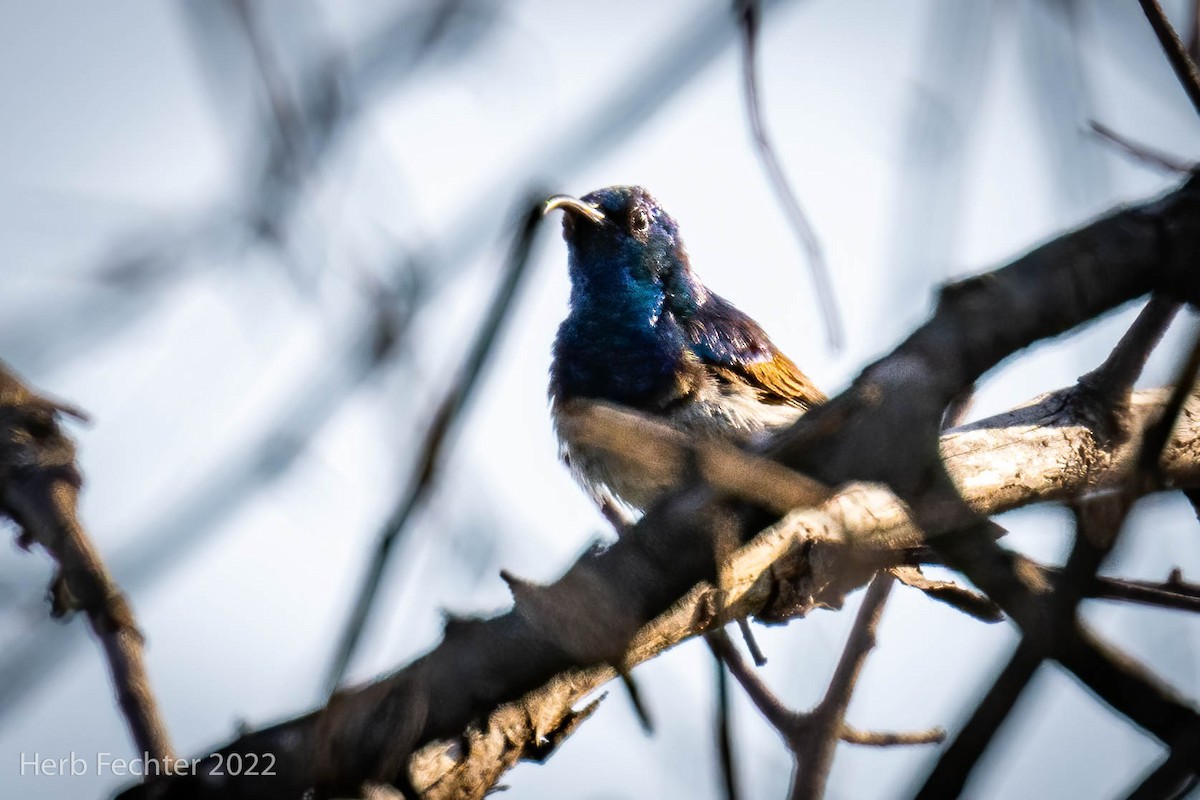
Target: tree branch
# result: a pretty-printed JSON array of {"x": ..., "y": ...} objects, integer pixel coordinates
[
  {"x": 1177, "y": 54},
  {"x": 949, "y": 776},
  {"x": 814, "y": 758},
  {"x": 1140, "y": 152},
  {"x": 749, "y": 14},
  {"x": 813, "y": 736},
  {"x": 592, "y": 616},
  {"x": 891, "y": 738},
  {"x": 39, "y": 491}
]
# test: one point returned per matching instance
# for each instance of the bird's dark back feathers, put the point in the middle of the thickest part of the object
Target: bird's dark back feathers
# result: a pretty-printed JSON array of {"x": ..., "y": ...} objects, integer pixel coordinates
[{"x": 736, "y": 348}]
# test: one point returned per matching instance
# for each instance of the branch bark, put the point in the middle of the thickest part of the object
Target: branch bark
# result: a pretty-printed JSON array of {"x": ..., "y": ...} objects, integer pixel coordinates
[
  {"x": 624, "y": 604},
  {"x": 1044, "y": 451}
]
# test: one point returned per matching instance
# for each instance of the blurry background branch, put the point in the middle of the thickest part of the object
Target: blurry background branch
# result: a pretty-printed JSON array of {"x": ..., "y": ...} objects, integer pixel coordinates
[
  {"x": 39, "y": 491},
  {"x": 749, "y": 15},
  {"x": 1176, "y": 52},
  {"x": 428, "y": 456}
]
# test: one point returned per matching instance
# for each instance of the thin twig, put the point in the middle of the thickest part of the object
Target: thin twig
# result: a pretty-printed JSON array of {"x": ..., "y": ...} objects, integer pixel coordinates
[
  {"x": 1177, "y": 54},
  {"x": 1171, "y": 593},
  {"x": 725, "y": 732},
  {"x": 851, "y": 735},
  {"x": 813, "y": 736},
  {"x": 1139, "y": 151},
  {"x": 430, "y": 453},
  {"x": 749, "y": 15},
  {"x": 815, "y": 760},
  {"x": 1159, "y": 595},
  {"x": 756, "y": 652},
  {"x": 777, "y": 714}
]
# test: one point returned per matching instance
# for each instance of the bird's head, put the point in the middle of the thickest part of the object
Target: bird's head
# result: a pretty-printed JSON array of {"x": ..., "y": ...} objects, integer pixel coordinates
[{"x": 625, "y": 250}]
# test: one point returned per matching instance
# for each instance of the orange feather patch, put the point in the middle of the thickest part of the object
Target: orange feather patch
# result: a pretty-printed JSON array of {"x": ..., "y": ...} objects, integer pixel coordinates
[{"x": 780, "y": 381}]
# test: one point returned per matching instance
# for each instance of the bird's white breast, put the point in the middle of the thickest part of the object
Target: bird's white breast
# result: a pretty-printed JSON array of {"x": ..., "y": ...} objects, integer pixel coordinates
[{"x": 730, "y": 412}]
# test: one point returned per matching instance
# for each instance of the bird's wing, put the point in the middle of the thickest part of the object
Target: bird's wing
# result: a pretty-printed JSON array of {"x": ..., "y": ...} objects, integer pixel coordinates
[{"x": 737, "y": 348}]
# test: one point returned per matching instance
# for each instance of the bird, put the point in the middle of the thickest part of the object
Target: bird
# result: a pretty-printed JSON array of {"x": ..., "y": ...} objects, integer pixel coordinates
[{"x": 643, "y": 331}]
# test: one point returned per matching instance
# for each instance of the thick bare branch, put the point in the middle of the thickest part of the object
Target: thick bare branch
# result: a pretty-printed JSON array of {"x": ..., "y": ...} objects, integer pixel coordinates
[
  {"x": 1042, "y": 451},
  {"x": 1113, "y": 380},
  {"x": 896, "y": 404},
  {"x": 949, "y": 777}
]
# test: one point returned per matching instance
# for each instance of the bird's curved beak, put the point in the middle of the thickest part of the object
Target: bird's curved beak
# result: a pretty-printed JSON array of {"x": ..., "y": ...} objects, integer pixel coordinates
[{"x": 568, "y": 203}]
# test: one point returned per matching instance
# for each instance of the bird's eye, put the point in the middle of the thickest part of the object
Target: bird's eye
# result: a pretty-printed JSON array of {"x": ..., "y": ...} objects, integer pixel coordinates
[{"x": 639, "y": 221}]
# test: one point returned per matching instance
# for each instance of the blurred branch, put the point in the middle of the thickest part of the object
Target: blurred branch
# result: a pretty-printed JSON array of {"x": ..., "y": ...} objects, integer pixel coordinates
[
  {"x": 444, "y": 420},
  {"x": 749, "y": 14},
  {"x": 949, "y": 776},
  {"x": 725, "y": 749},
  {"x": 1177, "y": 54},
  {"x": 1057, "y": 83},
  {"x": 1174, "y": 778},
  {"x": 284, "y": 112},
  {"x": 39, "y": 491},
  {"x": 164, "y": 543},
  {"x": 301, "y": 127},
  {"x": 1193, "y": 43},
  {"x": 943, "y": 108},
  {"x": 1140, "y": 152},
  {"x": 1097, "y": 523}
]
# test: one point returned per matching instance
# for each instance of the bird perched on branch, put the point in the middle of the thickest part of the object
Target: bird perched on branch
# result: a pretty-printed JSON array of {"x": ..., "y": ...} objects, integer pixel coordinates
[{"x": 645, "y": 332}]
